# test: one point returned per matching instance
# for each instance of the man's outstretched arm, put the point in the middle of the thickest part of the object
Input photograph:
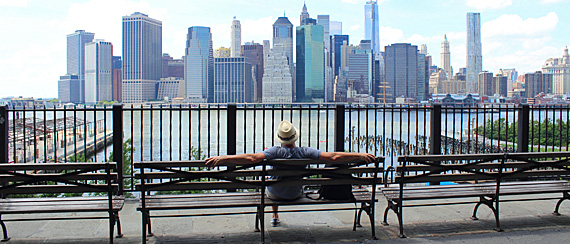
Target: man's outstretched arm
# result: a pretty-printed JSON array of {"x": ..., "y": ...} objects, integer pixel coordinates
[
  {"x": 249, "y": 158},
  {"x": 346, "y": 157}
]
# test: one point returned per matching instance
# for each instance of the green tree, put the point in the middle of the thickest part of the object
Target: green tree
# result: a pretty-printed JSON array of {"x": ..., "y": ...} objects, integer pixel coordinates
[{"x": 128, "y": 149}]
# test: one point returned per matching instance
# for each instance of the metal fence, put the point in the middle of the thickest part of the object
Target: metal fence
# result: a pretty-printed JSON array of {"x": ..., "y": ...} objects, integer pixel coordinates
[{"x": 197, "y": 131}]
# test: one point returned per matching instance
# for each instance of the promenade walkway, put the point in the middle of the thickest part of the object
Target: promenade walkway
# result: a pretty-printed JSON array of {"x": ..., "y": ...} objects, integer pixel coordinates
[{"x": 524, "y": 222}]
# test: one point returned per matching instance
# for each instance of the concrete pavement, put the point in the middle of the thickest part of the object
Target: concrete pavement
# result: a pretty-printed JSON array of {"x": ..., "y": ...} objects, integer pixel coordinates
[{"x": 523, "y": 222}]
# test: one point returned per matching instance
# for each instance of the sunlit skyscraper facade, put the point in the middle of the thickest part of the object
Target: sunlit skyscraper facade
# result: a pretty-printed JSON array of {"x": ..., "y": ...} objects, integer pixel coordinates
[
  {"x": 76, "y": 58},
  {"x": 199, "y": 65},
  {"x": 310, "y": 66},
  {"x": 474, "y": 53},
  {"x": 236, "y": 38},
  {"x": 142, "y": 57},
  {"x": 98, "y": 72},
  {"x": 283, "y": 33},
  {"x": 371, "y": 24}
]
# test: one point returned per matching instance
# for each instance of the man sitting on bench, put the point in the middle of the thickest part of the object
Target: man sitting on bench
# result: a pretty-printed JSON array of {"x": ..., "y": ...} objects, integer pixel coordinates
[{"x": 287, "y": 134}]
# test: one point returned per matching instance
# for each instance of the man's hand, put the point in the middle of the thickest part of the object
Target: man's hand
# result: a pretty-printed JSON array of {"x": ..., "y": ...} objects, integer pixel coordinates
[
  {"x": 369, "y": 158},
  {"x": 214, "y": 161}
]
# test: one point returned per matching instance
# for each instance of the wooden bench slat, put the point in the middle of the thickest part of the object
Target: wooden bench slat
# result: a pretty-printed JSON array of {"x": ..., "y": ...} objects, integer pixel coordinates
[{"x": 53, "y": 166}]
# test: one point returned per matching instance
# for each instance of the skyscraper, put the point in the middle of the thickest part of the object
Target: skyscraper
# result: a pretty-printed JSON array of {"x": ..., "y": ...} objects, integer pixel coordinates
[
  {"x": 254, "y": 51},
  {"x": 537, "y": 82},
  {"x": 142, "y": 57},
  {"x": 277, "y": 79},
  {"x": 283, "y": 33},
  {"x": 305, "y": 18},
  {"x": 310, "y": 66},
  {"x": 117, "y": 79},
  {"x": 336, "y": 43},
  {"x": 76, "y": 58},
  {"x": 560, "y": 70},
  {"x": 68, "y": 89},
  {"x": 98, "y": 72},
  {"x": 445, "y": 58},
  {"x": 233, "y": 81},
  {"x": 324, "y": 21},
  {"x": 423, "y": 49},
  {"x": 199, "y": 65},
  {"x": 474, "y": 54},
  {"x": 236, "y": 38},
  {"x": 401, "y": 73},
  {"x": 371, "y": 24},
  {"x": 485, "y": 84}
]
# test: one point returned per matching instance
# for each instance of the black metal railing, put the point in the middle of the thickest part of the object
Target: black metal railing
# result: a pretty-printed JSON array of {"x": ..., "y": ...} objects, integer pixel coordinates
[{"x": 196, "y": 131}]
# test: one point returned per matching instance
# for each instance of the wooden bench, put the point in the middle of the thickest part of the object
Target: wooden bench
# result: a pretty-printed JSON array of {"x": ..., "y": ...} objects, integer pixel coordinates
[
  {"x": 29, "y": 184},
  {"x": 250, "y": 182},
  {"x": 482, "y": 179}
]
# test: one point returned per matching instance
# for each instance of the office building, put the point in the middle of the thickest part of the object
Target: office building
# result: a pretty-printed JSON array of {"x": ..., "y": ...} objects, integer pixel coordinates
[
  {"x": 199, "y": 65},
  {"x": 117, "y": 79},
  {"x": 337, "y": 41},
  {"x": 357, "y": 66},
  {"x": 371, "y": 24},
  {"x": 305, "y": 18},
  {"x": 538, "y": 82},
  {"x": 236, "y": 38},
  {"x": 142, "y": 57},
  {"x": 233, "y": 82},
  {"x": 266, "y": 50},
  {"x": 277, "y": 79},
  {"x": 169, "y": 88},
  {"x": 446, "y": 58},
  {"x": 335, "y": 28},
  {"x": 76, "y": 57},
  {"x": 560, "y": 70},
  {"x": 474, "y": 53},
  {"x": 283, "y": 33},
  {"x": 310, "y": 65},
  {"x": 485, "y": 85},
  {"x": 500, "y": 85},
  {"x": 68, "y": 89},
  {"x": 401, "y": 73},
  {"x": 511, "y": 75},
  {"x": 222, "y": 52},
  {"x": 98, "y": 72},
  {"x": 424, "y": 50},
  {"x": 254, "y": 52},
  {"x": 172, "y": 67}
]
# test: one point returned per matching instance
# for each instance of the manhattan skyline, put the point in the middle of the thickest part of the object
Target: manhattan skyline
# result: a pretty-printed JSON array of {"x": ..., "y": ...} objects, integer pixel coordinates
[{"x": 519, "y": 34}]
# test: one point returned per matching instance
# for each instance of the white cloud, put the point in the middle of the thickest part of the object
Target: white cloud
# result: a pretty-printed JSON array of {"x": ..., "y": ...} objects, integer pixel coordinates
[
  {"x": 14, "y": 3},
  {"x": 489, "y": 4},
  {"x": 512, "y": 25},
  {"x": 551, "y": 1},
  {"x": 354, "y": 27}
]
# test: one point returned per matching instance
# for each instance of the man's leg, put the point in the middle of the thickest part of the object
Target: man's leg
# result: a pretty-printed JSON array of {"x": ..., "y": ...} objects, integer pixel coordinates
[{"x": 275, "y": 218}]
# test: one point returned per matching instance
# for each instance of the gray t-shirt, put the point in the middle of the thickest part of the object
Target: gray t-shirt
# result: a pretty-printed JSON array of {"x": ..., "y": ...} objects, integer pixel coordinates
[{"x": 289, "y": 192}]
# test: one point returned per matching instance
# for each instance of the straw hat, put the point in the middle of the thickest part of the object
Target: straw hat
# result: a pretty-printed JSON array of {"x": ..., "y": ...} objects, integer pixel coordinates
[{"x": 286, "y": 133}]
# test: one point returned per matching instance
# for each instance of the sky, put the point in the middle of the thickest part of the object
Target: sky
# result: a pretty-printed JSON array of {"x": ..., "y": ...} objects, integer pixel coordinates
[{"x": 519, "y": 34}]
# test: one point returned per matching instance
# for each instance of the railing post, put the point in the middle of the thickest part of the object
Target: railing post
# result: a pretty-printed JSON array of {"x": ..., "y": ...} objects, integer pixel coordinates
[
  {"x": 339, "y": 117},
  {"x": 523, "y": 128},
  {"x": 4, "y": 130},
  {"x": 118, "y": 144},
  {"x": 435, "y": 133},
  {"x": 232, "y": 134},
  {"x": 435, "y": 130}
]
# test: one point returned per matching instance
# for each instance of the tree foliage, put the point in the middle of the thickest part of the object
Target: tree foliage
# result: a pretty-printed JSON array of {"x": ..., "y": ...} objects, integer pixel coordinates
[{"x": 544, "y": 133}]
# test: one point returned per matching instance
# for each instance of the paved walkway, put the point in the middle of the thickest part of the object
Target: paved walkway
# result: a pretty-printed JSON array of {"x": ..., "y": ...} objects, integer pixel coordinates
[{"x": 524, "y": 222}]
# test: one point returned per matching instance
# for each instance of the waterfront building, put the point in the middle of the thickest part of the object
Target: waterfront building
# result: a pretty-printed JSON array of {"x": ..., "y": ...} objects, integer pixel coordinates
[
  {"x": 68, "y": 88},
  {"x": 76, "y": 57},
  {"x": 233, "y": 80},
  {"x": 310, "y": 69},
  {"x": 560, "y": 70},
  {"x": 199, "y": 65},
  {"x": 236, "y": 38},
  {"x": 277, "y": 79},
  {"x": 337, "y": 41},
  {"x": 371, "y": 24},
  {"x": 500, "y": 85},
  {"x": 401, "y": 73},
  {"x": 511, "y": 75},
  {"x": 537, "y": 82},
  {"x": 335, "y": 28},
  {"x": 254, "y": 51},
  {"x": 446, "y": 57},
  {"x": 142, "y": 57},
  {"x": 485, "y": 85},
  {"x": 98, "y": 72},
  {"x": 474, "y": 51},
  {"x": 117, "y": 79},
  {"x": 169, "y": 88},
  {"x": 222, "y": 52}
]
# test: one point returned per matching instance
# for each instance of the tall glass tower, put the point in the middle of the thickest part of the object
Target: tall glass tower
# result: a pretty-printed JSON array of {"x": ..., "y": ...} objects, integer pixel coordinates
[
  {"x": 76, "y": 57},
  {"x": 283, "y": 33},
  {"x": 199, "y": 65},
  {"x": 98, "y": 72},
  {"x": 371, "y": 24},
  {"x": 310, "y": 81},
  {"x": 142, "y": 57},
  {"x": 474, "y": 54}
]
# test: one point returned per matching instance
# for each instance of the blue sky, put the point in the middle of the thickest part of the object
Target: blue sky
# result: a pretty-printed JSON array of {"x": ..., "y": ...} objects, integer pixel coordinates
[{"x": 519, "y": 34}]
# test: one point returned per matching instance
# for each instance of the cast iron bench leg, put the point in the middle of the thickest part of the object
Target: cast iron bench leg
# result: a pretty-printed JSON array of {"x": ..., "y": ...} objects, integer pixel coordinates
[
  {"x": 257, "y": 220},
  {"x": 4, "y": 230},
  {"x": 119, "y": 229},
  {"x": 564, "y": 197}
]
